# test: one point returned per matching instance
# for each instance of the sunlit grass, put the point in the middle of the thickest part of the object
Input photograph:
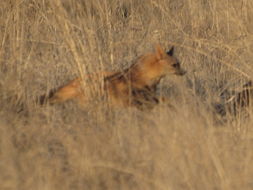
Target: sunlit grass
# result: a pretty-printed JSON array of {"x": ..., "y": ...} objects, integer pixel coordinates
[{"x": 44, "y": 44}]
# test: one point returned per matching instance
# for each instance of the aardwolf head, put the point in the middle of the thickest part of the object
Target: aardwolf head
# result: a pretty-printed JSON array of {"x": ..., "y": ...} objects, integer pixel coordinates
[
  {"x": 168, "y": 62},
  {"x": 151, "y": 67}
]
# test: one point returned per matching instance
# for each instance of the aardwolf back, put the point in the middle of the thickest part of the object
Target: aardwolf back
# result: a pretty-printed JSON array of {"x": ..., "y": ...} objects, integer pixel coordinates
[{"x": 134, "y": 86}]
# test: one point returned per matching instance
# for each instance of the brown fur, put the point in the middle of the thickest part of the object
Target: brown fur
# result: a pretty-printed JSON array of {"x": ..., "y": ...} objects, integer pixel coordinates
[{"x": 135, "y": 86}]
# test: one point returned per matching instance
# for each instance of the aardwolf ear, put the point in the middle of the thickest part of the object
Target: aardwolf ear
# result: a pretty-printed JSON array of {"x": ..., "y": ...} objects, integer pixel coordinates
[
  {"x": 159, "y": 52},
  {"x": 171, "y": 51}
]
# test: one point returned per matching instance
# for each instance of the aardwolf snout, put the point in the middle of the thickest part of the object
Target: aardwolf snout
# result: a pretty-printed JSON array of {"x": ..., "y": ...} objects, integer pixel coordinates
[{"x": 174, "y": 67}]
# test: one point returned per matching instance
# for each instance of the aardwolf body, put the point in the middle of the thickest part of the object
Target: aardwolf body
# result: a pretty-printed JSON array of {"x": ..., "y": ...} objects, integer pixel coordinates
[{"x": 135, "y": 86}]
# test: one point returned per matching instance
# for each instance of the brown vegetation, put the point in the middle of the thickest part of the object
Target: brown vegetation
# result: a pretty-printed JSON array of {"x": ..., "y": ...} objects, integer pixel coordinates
[{"x": 45, "y": 43}]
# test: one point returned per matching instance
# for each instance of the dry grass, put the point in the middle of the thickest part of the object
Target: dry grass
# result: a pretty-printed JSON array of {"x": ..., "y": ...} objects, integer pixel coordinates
[{"x": 45, "y": 43}]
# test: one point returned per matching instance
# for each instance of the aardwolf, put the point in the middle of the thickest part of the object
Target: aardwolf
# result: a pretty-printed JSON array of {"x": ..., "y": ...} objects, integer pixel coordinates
[{"x": 134, "y": 86}]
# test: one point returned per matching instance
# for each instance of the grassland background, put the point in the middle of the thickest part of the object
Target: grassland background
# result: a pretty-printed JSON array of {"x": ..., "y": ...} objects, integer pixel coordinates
[{"x": 44, "y": 43}]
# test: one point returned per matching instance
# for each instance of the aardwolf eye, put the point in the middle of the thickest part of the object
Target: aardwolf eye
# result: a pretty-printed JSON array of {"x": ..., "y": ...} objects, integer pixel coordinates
[{"x": 175, "y": 65}]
